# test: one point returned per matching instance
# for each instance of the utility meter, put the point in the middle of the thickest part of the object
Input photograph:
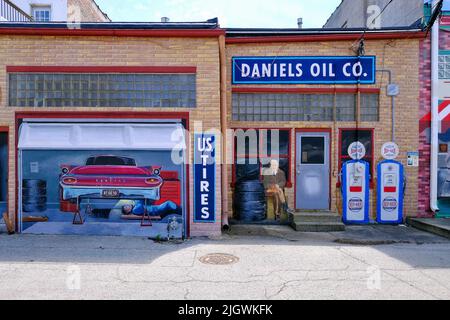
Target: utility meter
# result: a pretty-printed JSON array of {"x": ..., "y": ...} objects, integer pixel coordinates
[{"x": 355, "y": 192}]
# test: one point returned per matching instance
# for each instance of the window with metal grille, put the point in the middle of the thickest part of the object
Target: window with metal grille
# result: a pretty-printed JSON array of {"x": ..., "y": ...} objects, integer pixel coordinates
[
  {"x": 302, "y": 107},
  {"x": 370, "y": 107},
  {"x": 255, "y": 148},
  {"x": 365, "y": 136},
  {"x": 346, "y": 107},
  {"x": 102, "y": 90}
]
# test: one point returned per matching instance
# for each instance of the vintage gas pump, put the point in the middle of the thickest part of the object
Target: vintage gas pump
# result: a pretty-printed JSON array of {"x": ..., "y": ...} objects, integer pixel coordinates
[
  {"x": 391, "y": 186},
  {"x": 355, "y": 187}
]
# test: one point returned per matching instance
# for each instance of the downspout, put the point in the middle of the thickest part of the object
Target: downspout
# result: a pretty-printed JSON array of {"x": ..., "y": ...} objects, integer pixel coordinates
[
  {"x": 434, "y": 114},
  {"x": 223, "y": 125}
]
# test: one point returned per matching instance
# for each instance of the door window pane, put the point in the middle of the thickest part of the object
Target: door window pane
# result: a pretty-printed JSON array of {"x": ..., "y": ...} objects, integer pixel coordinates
[{"x": 313, "y": 150}]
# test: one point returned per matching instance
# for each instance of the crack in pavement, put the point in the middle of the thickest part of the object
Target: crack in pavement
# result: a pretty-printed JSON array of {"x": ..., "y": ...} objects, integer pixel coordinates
[{"x": 388, "y": 273}]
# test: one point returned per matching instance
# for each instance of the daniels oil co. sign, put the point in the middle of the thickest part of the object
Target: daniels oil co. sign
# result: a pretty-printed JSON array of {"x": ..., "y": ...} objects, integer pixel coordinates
[{"x": 304, "y": 70}]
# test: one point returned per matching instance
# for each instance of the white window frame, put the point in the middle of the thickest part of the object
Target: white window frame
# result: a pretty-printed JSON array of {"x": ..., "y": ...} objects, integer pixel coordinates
[{"x": 41, "y": 7}]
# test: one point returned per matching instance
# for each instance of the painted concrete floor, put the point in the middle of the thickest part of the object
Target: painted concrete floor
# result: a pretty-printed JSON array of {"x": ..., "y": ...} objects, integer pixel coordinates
[{"x": 274, "y": 263}]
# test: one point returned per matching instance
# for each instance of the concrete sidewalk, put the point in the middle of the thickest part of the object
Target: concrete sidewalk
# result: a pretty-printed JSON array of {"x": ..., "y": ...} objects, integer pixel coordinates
[
  {"x": 438, "y": 226},
  {"x": 271, "y": 263}
]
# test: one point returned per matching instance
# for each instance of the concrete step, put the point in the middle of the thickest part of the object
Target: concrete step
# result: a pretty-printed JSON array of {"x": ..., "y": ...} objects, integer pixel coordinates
[
  {"x": 318, "y": 226},
  {"x": 324, "y": 217},
  {"x": 440, "y": 227}
]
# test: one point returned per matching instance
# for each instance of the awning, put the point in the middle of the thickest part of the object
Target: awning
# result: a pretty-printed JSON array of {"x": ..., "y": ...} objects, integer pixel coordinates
[{"x": 101, "y": 136}]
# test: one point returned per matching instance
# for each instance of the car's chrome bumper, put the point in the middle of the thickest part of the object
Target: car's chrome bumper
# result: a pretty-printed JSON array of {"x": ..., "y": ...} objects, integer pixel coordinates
[{"x": 75, "y": 192}]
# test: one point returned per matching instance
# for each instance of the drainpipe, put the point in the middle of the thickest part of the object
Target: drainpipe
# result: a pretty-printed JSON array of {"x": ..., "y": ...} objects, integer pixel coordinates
[
  {"x": 223, "y": 125},
  {"x": 434, "y": 114}
]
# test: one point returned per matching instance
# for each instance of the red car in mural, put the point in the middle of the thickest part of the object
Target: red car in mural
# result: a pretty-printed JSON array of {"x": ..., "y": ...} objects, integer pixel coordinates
[{"x": 110, "y": 176}]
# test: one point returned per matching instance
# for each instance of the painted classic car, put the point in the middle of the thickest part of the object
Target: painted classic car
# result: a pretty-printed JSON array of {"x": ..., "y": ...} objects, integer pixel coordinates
[{"x": 110, "y": 176}]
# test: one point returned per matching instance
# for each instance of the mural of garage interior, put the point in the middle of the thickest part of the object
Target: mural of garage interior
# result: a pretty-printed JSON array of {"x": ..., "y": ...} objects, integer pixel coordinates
[{"x": 102, "y": 178}]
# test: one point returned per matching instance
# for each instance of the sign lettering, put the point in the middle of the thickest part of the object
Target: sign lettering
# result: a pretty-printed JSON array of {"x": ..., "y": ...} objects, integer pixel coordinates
[
  {"x": 304, "y": 70},
  {"x": 204, "y": 178}
]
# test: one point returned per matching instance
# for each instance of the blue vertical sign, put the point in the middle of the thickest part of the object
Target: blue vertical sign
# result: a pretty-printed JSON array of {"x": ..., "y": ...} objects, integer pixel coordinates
[{"x": 204, "y": 178}]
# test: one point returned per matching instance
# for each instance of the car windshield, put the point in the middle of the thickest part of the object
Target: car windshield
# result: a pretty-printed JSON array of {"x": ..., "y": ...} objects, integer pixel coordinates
[{"x": 110, "y": 161}]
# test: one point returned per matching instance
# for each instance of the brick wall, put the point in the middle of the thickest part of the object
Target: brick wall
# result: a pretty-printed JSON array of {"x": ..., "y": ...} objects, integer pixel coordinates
[
  {"x": 89, "y": 10},
  {"x": 425, "y": 109},
  {"x": 399, "y": 56},
  {"x": 425, "y": 147},
  {"x": 122, "y": 51}
]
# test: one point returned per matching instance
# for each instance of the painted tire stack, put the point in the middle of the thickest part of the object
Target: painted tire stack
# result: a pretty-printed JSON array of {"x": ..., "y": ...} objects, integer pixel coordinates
[
  {"x": 250, "y": 201},
  {"x": 34, "y": 195}
]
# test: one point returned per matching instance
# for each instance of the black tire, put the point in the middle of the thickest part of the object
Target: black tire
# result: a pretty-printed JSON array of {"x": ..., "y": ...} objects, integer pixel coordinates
[
  {"x": 34, "y": 192},
  {"x": 250, "y": 186},
  {"x": 35, "y": 200},
  {"x": 249, "y": 196},
  {"x": 33, "y": 208},
  {"x": 38, "y": 184},
  {"x": 252, "y": 216},
  {"x": 251, "y": 205},
  {"x": 34, "y": 195}
]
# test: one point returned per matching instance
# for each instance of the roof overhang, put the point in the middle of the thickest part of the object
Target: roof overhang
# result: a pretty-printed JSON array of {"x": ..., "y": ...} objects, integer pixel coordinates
[
  {"x": 209, "y": 28},
  {"x": 237, "y": 36}
]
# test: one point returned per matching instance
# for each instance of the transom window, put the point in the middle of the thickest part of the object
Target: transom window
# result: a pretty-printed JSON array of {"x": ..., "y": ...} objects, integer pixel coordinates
[
  {"x": 303, "y": 107},
  {"x": 102, "y": 90},
  {"x": 41, "y": 13}
]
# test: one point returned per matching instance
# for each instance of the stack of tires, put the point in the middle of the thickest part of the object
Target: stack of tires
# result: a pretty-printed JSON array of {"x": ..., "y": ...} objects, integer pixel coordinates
[
  {"x": 249, "y": 201},
  {"x": 34, "y": 195}
]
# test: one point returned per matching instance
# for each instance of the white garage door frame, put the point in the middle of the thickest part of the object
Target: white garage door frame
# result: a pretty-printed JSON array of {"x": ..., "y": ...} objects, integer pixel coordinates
[{"x": 88, "y": 134}]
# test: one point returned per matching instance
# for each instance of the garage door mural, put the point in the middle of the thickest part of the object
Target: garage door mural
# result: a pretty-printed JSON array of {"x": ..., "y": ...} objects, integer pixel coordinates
[{"x": 102, "y": 192}]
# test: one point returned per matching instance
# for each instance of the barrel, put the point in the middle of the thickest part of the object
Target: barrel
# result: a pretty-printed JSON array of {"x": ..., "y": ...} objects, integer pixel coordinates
[
  {"x": 34, "y": 195},
  {"x": 249, "y": 201}
]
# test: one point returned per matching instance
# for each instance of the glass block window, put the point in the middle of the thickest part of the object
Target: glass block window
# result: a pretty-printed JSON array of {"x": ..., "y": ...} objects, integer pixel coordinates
[
  {"x": 41, "y": 13},
  {"x": 302, "y": 107},
  {"x": 346, "y": 107},
  {"x": 444, "y": 66},
  {"x": 370, "y": 107},
  {"x": 282, "y": 107},
  {"x": 102, "y": 90}
]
